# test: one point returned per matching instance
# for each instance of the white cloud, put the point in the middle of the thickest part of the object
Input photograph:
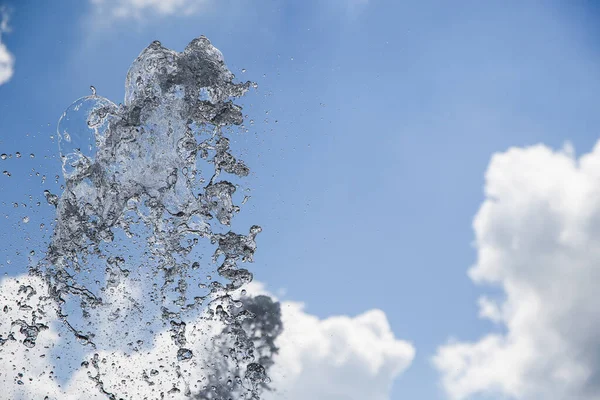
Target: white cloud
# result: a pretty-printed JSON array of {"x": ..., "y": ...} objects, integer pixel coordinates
[
  {"x": 537, "y": 236},
  {"x": 337, "y": 358},
  {"x": 334, "y": 358},
  {"x": 7, "y": 60},
  {"x": 140, "y": 8}
]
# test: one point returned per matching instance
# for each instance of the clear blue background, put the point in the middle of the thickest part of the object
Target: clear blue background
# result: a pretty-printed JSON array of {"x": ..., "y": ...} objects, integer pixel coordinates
[{"x": 387, "y": 116}]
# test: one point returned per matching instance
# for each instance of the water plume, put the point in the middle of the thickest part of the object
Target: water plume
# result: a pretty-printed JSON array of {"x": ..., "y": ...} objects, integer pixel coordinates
[{"x": 150, "y": 188}]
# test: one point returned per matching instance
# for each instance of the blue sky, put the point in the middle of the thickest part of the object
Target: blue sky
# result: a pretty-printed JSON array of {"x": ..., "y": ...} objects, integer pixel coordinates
[{"x": 388, "y": 114}]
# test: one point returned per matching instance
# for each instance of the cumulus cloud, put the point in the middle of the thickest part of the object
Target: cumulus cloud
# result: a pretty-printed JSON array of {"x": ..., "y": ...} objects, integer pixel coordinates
[
  {"x": 537, "y": 235},
  {"x": 337, "y": 358},
  {"x": 333, "y": 358},
  {"x": 7, "y": 60}
]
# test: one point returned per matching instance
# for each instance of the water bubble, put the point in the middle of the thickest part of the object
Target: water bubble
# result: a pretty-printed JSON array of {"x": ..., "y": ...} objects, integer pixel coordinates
[
  {"x": 93, "y": 89},
  {"x": 25, "y": 219},
  {"x": 6, "y": 173},
  {"x": 32, "y": 155},
  {"x": 18, "y": 154},
  {"x": 3, "y": 156},
  {"x": 243, "y": 70},
  {"x": 81, "y": 130}
]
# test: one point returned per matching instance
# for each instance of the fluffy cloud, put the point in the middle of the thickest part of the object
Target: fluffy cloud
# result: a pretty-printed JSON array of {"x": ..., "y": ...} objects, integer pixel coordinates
[
  {"x": 334, "y": 358},
  {"x": 7, "y": 60},
  {"x": 337, "y": 358},
  {"x": 537, "y": 236}
]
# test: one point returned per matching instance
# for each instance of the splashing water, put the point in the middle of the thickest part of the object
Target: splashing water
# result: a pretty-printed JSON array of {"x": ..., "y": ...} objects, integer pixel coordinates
[{"x": 150, "y": 186}]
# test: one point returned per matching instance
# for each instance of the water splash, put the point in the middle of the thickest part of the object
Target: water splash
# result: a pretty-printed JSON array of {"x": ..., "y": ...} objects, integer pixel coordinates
[
  {"x": 149, "y": 186},
  {"x": 81, "y": 131}
]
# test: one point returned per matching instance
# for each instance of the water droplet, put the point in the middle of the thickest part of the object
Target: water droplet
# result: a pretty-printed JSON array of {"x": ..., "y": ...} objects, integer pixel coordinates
[
  {"x": 243, "y": 70},
  {"x": 32, "y": 155},
  {"x": 18, "y": 154},
  {"x": 52, "y": 199},
  {"x": 256, "y": 373},
  {"x": 3, "y": 156},
  {"x": 7, "y": 173},
  {"x": 184, "y": 354},
  {"x": 25, "y": 219},
  {"x": 93, "y": 89}
]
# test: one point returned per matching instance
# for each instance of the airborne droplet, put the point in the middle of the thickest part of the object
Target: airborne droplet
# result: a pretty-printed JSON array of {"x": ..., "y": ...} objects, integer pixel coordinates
[{"x": 184, "y": 354}]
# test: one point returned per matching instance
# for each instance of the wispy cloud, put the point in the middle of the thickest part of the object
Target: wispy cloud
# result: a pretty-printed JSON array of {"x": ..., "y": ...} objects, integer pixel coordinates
[
  {"x": 139, "y": 9},
  {"x": 107, "y": 11},
  {"x": 7, "y": 60}
]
